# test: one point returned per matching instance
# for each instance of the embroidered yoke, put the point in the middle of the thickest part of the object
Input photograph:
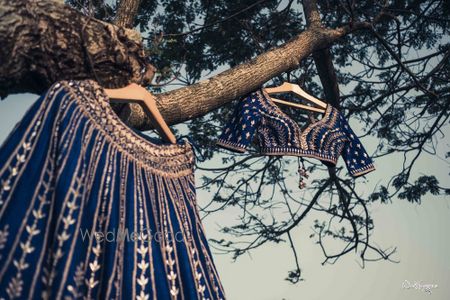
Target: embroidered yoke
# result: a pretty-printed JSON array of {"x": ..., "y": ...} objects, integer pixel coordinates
[
  {"x": 257, "y": 117},
  {"x": 91, "y": 209}
]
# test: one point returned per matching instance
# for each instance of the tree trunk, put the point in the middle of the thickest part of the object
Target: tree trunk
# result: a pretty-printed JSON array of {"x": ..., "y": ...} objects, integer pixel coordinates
[
  {"x": 322, "y": 58},
  {"x": 126, "y": 13},
  {"x": 42, "y": 43},
  {"x": 45, "y": 41}
]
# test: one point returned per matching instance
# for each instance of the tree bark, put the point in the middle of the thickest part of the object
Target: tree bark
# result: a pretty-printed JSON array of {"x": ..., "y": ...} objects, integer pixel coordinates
[
  {"x": 327, "y": 74},
  {"x": 198, "y": 99},
  {"x": 322, "y": 58},
  {"x": 126, "y": 13},
  {"x": 45, "y": 41},
  {"x": 42, "y": 43}
]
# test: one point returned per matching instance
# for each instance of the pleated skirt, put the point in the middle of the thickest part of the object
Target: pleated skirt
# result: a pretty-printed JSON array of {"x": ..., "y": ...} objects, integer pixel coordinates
[{"x": 91, "y": 209}]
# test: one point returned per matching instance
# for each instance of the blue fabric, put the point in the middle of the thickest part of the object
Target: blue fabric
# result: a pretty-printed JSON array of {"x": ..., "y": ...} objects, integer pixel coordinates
[
  {"x": 257, "y": 118},
  {"x": 91, "y": 209}
]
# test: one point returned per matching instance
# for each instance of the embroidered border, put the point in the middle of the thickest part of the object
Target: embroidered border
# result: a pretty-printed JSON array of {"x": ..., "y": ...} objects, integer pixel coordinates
[
  {"x": 298, "y": 152},
  {"x": 364, "y": 170},
  {"x": 231, "y": 145},
  {"x": 165, "y": 159}
]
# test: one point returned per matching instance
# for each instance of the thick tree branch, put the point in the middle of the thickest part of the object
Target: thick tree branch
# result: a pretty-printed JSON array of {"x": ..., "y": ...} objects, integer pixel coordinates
[
  {"x": 327, "y": 74},
  {"x": 42, "y": 43},
  {"x": 198, "y": 99},
  {"x": 322, "y": 58},
  {"x": 126, "y": 13},
  {"x": 45, "y": 41},
  {"x": 312, "y": 13}
]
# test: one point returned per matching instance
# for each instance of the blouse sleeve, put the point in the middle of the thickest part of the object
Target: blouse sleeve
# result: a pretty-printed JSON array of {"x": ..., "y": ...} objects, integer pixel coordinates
[
  {"x": 356, "y": 158},
  {"x": 239, "y": 132}
]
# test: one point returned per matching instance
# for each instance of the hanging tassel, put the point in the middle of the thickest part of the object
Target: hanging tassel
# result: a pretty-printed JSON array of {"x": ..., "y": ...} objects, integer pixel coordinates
[{"x": 302, "y": 172}]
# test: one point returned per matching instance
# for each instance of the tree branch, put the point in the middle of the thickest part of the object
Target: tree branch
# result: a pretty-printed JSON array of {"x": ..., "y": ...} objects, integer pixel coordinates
[
  {"x": 322, "y": 58},
  {"x": 43, "y": 43},
  {"x": 198, "y": 99},
  {"x": 312, "y": 13},
  {"x": 46, "y": 41},
  {"x": 401, "y": 64},
  {"x": 126, "y": 13}
]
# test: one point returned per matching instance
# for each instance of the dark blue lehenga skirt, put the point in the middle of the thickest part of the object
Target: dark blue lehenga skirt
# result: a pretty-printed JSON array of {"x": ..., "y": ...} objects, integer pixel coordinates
[{"x": 90, "y": 209}]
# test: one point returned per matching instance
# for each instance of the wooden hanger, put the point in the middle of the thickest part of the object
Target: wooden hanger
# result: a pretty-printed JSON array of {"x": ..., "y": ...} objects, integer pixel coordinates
[
  {"x": 296, "y": 105},
  {"x": 296, "y": 89},
  {"x": 136, "y": 93}
]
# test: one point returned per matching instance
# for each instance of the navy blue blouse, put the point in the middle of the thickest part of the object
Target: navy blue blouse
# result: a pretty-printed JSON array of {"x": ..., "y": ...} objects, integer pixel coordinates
[{"x": 256, "y": 117}]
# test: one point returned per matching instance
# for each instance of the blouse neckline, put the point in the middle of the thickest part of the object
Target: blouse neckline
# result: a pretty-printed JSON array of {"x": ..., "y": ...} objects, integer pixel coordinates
[{"x": 325, "y": 117}]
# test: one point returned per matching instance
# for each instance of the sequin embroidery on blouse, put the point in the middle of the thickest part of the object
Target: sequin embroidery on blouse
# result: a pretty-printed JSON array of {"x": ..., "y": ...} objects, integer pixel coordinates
[{"x": 256, "y": 117}]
